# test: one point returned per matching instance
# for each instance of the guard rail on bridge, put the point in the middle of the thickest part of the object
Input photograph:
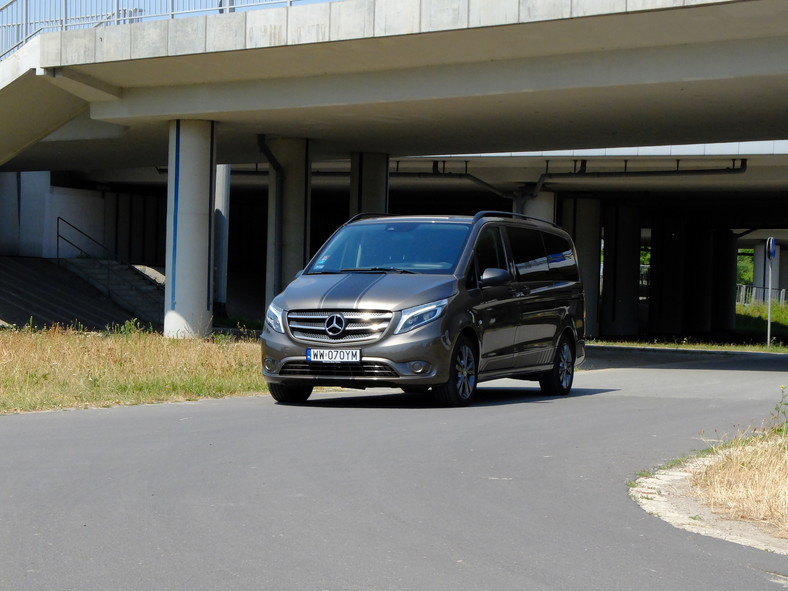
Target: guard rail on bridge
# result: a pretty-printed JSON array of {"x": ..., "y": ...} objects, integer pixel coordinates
[{"x": 21, "y": 20}]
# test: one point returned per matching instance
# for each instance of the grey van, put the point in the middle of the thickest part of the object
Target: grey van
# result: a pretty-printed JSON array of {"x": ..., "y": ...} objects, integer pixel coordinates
[{"x": 430, "y": 303}]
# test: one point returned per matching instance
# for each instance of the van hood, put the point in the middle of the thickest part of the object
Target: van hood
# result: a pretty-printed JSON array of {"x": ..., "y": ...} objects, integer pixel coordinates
[{"x": 370, "y": 291}]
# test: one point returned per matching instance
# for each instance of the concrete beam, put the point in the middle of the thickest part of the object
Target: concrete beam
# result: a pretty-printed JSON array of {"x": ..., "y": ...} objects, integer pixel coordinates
[
  {"x": 82, "y": 85},
  {"x": 528, "y": 77},
  {"x": 33, "y": 108}
]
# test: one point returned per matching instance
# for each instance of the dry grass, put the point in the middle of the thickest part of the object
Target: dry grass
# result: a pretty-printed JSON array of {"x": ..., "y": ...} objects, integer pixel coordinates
[
  {"x": 64, "y": 368},
  {"x": 747, "y": 478}
]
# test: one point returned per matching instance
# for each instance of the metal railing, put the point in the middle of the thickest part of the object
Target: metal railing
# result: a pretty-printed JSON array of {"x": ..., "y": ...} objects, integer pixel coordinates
[
  {"x": 748, "y": 294},
  {"x": 107, "y": 260},
  {"x": 21, "y": 20}
]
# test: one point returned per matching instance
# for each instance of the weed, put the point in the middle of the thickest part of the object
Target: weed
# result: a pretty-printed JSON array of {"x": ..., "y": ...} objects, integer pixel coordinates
[
  {"x": 780, "y": 414},
  {"x": 221, "y": 338},
  {"x": 748, "y": 475},
  {"x": 127, "y": 364},
  {"x": 128, "y": 328}
]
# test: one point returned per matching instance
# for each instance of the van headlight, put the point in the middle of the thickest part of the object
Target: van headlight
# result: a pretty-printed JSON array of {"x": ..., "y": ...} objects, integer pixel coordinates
[
  {"x": 274, "y": 319},
  {"x": 420, "y": 315}
]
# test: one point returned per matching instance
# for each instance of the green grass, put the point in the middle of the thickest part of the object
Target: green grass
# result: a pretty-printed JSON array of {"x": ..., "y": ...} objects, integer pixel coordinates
[
  {"x": 752, "y": 320},
  {"x": 750, "y": 334},
  {"x": 62, "y": 368}
]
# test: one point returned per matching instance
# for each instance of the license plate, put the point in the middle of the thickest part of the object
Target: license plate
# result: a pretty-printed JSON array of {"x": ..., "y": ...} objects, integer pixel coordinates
[{"x": 333, "y": 355}]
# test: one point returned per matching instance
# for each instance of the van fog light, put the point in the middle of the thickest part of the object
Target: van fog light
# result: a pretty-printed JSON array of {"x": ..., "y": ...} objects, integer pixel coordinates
[
  {"x": 269, "y": 364},
  {"x": 419, "y": 366}
]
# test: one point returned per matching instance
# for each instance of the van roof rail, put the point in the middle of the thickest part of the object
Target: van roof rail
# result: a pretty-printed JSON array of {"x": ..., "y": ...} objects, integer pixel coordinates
[
  {"x": 368, "y": 214},
  {"x": 510, "y": 214}
]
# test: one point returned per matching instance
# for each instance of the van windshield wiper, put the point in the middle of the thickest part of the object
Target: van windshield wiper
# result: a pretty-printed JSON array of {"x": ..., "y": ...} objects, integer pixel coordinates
[{"x": 377, "y": 270}]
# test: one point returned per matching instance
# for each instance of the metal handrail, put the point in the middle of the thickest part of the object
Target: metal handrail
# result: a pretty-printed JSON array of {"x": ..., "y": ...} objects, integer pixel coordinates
[
  {"x": 106, "y": 249},
  {"x": 110, "y": 273},
  {"x": 21, "y": 20}
]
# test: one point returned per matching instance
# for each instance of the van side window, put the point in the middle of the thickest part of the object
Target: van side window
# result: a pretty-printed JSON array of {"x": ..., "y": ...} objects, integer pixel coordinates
[
  {"x": 489, "y": 252},
  {"x": 561, "y": 258},
  {"x": 528, "y": 253}
]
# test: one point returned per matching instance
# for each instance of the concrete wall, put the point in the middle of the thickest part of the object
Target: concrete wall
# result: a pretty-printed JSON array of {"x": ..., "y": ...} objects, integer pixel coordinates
[
  {"x": 30, "y": 207},
  {"x": 83, "y": 209}
]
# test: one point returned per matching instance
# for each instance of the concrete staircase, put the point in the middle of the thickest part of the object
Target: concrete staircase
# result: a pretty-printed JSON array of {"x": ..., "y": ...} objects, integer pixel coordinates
[
  {"x": 141, "y": 293},
  {"x": 39, "y": 291}
]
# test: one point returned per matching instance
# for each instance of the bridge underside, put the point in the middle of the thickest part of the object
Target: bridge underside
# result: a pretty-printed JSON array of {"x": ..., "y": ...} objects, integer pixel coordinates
[{"x": 306, "y": 113}]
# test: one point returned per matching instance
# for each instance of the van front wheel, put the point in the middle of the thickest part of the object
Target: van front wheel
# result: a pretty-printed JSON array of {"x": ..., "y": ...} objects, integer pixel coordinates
[
  {"x": 289, "y": 394},
  {"x": 460, "y": 390},
  {"x": 558, "y": 381}
]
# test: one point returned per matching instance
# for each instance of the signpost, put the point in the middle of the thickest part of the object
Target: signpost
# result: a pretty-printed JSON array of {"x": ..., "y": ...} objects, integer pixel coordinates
[{"x": 771, "y": 252}]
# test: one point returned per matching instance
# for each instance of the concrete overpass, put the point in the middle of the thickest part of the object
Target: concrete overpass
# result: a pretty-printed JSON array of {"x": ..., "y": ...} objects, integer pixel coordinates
[{"x": 361, "y": 87}]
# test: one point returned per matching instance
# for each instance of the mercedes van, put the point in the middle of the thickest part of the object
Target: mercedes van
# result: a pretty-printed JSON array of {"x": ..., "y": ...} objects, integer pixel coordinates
[{"x": 430, "y": 304}]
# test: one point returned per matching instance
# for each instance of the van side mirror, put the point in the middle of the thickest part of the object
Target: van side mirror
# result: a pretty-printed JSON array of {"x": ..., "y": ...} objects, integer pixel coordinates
[{"x": 493, "y": 277}]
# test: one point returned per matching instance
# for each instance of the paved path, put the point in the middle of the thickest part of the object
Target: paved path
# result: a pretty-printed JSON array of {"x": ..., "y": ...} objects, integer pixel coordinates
[{"x": 382, "y": 491}]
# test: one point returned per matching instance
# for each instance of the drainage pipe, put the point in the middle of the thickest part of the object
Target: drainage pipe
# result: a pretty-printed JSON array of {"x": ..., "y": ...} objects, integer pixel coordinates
[{"x": 582, "y": 174}]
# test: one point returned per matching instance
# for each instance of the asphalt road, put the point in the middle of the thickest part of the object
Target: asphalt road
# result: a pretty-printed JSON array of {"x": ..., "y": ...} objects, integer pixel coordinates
[{"x": 382, "y": 491}]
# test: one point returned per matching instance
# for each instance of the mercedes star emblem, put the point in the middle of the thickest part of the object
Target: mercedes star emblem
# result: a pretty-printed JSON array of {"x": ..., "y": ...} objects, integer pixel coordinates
[{"x": 335, "y": 325}]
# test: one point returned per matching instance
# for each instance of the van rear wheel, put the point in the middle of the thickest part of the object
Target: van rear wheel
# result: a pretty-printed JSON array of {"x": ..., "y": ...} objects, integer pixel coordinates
[
  {"x": 558, "y": 381},
  {"x": 289, "y": 394},
  {"x": 460, "y": 390}
]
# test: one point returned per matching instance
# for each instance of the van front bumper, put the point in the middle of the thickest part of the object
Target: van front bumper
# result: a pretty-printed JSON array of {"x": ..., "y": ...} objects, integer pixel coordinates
[{"x": 418, "y": 358}]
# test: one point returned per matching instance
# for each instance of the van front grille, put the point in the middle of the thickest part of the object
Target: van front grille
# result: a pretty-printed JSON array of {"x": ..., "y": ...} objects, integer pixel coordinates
[
  {"x": 338, "y": 326},
  {"x": 365, "y": 369}
]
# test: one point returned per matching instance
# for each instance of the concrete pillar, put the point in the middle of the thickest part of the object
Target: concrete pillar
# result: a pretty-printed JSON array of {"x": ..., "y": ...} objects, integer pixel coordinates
[
  {"x": 776, "y": 278},
  {"x": 289, "y": 203},
  {"x": 723, "y": 314},
  {"x": 667, "y": 275},
  {"x": 369, "y": 183},
  {"x": 9, "y": 213},
  {"x": 541, "y": 206},
  {"x": 621, "y": 270},
  {"x": 188, "y": 305},
  {"x": 151, "y": 229},
  {"x": 34, "y": 201},
  {"x": 137, "y": 229},
  {"x": 700, "y": 255},
  {"x": 760, "y": 270},
  {"x": 582, "y": 218},
  {"x": 123, "y": 234},
  {"x": 111, "y": 221},
  {"x": 221, "y": 228}
]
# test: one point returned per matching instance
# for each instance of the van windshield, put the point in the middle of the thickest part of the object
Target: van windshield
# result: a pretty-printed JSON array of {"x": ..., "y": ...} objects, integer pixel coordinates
[{"x": 404, "y": 247}]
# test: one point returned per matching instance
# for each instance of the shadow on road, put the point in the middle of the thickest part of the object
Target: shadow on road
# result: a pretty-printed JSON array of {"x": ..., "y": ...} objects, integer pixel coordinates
[
  {"x": 496, "y": 396},
  {"x": 486, "y": 396},
  {"x": 611, "y": 357}
]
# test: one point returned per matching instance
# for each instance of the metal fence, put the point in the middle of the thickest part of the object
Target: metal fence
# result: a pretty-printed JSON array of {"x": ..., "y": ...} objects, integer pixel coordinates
[
  {"x": 21, "y": 20},
  {"x": 748, "y": 294}
]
